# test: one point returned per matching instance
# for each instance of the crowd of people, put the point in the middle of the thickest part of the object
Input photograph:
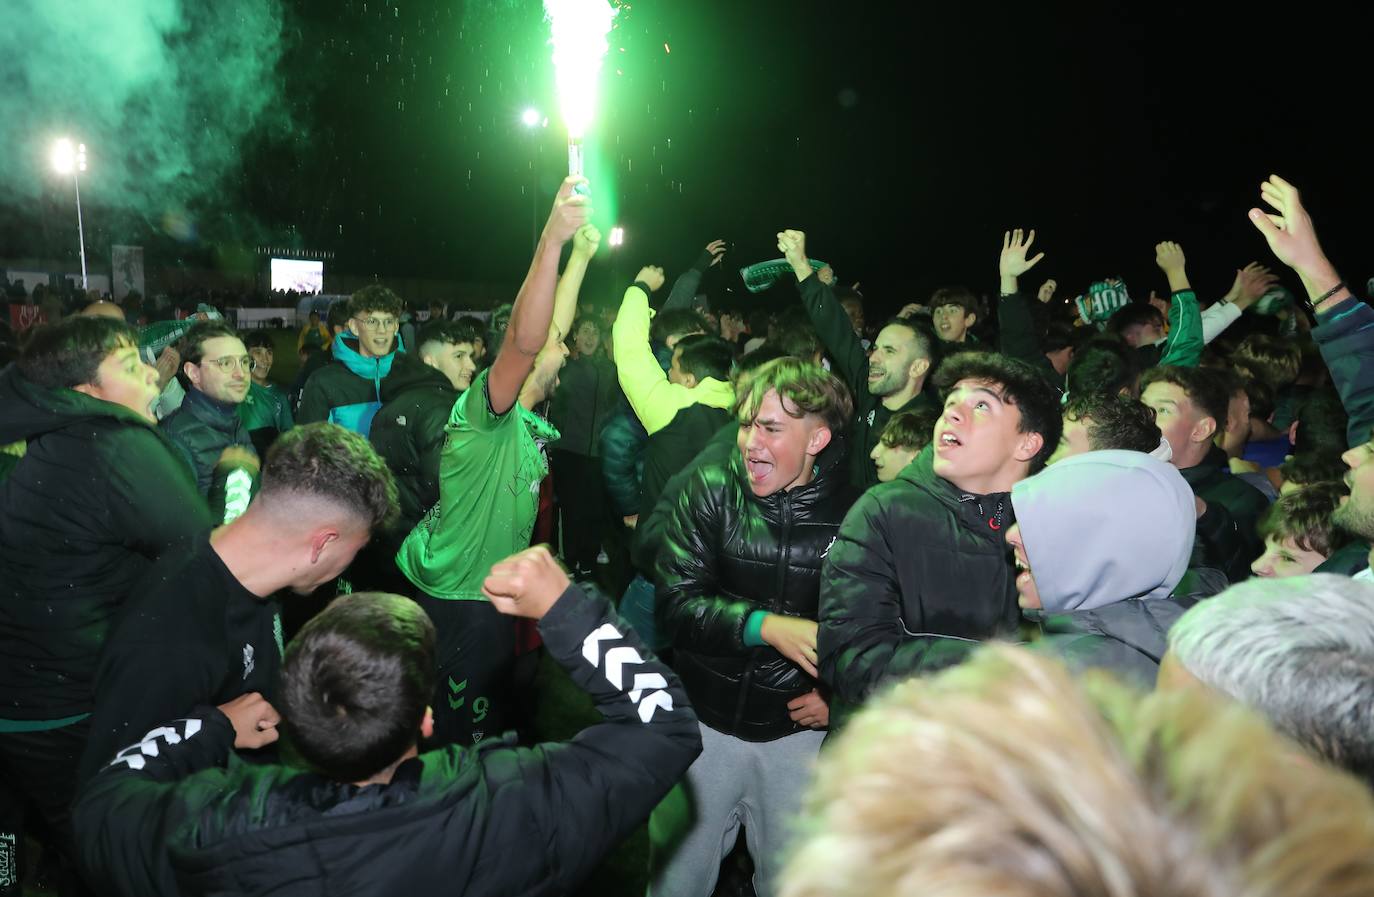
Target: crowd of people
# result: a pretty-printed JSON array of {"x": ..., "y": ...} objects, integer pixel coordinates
[{"x": 1034, "y": 596}]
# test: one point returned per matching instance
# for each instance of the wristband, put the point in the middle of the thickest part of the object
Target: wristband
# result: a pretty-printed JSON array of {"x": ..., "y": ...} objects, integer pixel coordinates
[
  {"x": 643, "y": 286},
  {"x": 1327, "y": 295}
]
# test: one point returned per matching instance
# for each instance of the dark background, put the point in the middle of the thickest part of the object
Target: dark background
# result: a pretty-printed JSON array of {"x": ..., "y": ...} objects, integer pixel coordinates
[{"x": 903, "y": 139}]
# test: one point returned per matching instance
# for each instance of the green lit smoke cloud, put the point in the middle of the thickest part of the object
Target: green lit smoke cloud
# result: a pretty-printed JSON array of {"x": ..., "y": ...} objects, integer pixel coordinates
[{"x": 164, "y": 93}]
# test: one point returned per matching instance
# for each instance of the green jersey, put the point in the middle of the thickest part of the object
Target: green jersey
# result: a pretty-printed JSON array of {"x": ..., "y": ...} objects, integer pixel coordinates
[{"x": 489, "y": 476}]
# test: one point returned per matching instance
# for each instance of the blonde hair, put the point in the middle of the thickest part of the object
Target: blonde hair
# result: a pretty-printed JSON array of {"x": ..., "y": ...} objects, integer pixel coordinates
[{"x": 1005, "y": 777}]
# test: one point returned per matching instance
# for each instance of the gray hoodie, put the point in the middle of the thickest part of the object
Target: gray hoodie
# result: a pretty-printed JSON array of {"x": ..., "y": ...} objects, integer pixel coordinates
[{"x": 1102, "y": 527}]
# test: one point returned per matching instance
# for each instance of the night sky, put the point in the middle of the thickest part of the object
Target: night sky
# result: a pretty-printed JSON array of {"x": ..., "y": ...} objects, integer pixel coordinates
[{"x": 902, "y": 140}]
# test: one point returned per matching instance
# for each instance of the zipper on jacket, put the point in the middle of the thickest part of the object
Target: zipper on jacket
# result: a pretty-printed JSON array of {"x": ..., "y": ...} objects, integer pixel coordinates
[{"x": 784, "y": 552}]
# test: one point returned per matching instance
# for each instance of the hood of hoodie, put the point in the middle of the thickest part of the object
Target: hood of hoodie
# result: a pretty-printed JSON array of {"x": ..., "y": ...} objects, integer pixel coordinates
[
  {"x": 1102, "y": 527},
  {"x": 989, "y": 515},
  {"x": 374, "y": 369},
  {"x": 28, "y": 411}
]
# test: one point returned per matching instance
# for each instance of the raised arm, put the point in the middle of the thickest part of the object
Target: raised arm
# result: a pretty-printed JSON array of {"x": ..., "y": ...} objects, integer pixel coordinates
[
  {"x": 585, "y": 243},
  {"x": 1184, "y": 345},
  {"x": 1016, "y": 327},
  {"x": 1345, "y": 331},
  {"x": 832, "y": 324},
  {"x": 532, "y": 314},
  {"x": 688, "y": 282},
  {"x": 653, "y": 397}
]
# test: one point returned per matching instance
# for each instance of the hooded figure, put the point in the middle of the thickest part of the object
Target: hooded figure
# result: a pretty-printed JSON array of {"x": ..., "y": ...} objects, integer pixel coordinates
[{"x": 1104, "y": 540}]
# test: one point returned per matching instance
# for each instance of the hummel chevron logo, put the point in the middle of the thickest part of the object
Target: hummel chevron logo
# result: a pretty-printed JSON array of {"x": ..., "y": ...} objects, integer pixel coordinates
[
  {"x": 133, "y": 754},
  {"x": 616, "y": 660}
]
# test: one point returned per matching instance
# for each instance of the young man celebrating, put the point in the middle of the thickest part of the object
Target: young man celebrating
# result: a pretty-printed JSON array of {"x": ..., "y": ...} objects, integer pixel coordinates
[
  {"x": 954, "y": 311},
  {"x": 206, "y": 429},
  {"x": 739, "y": 580},
  {"x": 489, "y": 474},
  {"x": 373, "y": 815},
  {"x": 348, "y": 391},
  {"x": 205, "y": 625},
  {"x": 98, "y": 496},
  {"x": 1191, "y": 405},
  {"x": 885, "y": 381},
  {"x": 408, "y": 430},
  {"x": 924, "y": 554}
]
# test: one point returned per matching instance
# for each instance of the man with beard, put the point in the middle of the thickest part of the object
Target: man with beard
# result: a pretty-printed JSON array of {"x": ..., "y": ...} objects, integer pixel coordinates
[{"x": 887, "y": 380}]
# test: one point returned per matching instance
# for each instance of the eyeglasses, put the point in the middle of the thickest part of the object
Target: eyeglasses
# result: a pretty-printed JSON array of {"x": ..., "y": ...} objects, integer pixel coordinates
[
  {"x": 229, "y": 362},
  {"x": 381, "y": 323}
]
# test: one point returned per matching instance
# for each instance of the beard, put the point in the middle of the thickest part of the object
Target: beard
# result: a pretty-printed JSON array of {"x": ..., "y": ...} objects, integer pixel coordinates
[{"x": 1355, "y": 518}]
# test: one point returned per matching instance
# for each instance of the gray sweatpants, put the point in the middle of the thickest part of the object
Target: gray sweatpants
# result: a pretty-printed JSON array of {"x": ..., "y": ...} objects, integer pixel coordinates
[{"x": 733, "y": 782}]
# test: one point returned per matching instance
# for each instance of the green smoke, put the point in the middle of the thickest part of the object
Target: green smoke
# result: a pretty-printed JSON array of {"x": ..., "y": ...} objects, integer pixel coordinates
[{"x": 164, "y": 93}]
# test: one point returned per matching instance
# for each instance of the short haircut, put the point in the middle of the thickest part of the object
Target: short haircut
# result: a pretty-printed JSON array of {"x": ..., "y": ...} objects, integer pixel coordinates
[
  {"x": 1135, "y": 314},
  {"x": 326, "y": 462},
  {"x": 1117, "y": 421},
  {"x": 921, "y": 334},
  {"x": 1206, "y": 389},
  {"x": 338, "y": 315},
  {"x": 705, "y": 356},
  {"x": 748, "y": 364},
  {"x": 256, "y": 339},
  {"x": 1322, "y": 422},
  {"x": 801, "y": 385},
  {"x": 798, "y": 339},
  {"x": 583, "y": 320},
  {"x": 1313, "y": 467},
  {"x": 1304, "y": 516},
  {"x": 69, "y": 353},
  {"x": 910, "y": 429},
  {"x": 193, "y": 343},
  {"x": 478, "y": 326},
  {"x": 1008, "y": 776},
  {"x": 355, "y": 683},
  {"x": 375, "y": 298},
  {"x": 1020, "y": 385},
  {"x": 1059, "y": 335},
  {"x": 1102, "y": 366},
  {"x": 960, "y": 296},
  {"x": 1277, "y": 361},
  {"x": 1263, "y": 401},
  {"x": 676, "y": 322},
  {"x": 443, "y": 332},
  {"x": 1299, "y": 651}
]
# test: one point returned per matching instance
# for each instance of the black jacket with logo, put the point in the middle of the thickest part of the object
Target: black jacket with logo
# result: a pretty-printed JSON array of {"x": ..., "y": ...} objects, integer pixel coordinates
[
  {"x": 914, "y": 558},
  {"x": 727, "y": 553},
  {"x": 170, "y": 817},
  {"x": 190, "y": 634},
  {"x": 98, "y": 496}
]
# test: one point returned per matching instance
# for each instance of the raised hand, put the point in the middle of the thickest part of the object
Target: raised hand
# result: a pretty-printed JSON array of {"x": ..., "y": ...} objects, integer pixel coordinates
[
  {"x": 1170, "y": 259},
  {"x": 586, "y": 241},
  {"x": 526, "y": 584},
  {"x": 254, "y": 720},
  {"x": 236, "y": 456},
  {"x": 1290, "y": 235},
  {"x": 911, "y": 308},
  {"x": 792, "y": 245},
  {"x": 1251, "y": 283},
  {"x": 794, "y": 638},
  {"x": 1013, "y": 262},
  {"x": 827, "y": 275},
  {"x": 1046, "y": 293},
  {"x": 1169, "y": 256},
  {"x": 570, "y": 211},
  {"x": 651, "y": 275},
  {"x": 717, "y": 250}
]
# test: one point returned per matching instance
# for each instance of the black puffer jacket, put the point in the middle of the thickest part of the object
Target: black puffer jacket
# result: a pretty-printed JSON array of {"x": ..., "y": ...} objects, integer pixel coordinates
[
  {"x": 200, "y": 430},
  {"x": 98, "y": 496},
  {"x": 914, "y": 558},
  {"x": 408, "y": 432},
  {"x": 727, "y": 553}
]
